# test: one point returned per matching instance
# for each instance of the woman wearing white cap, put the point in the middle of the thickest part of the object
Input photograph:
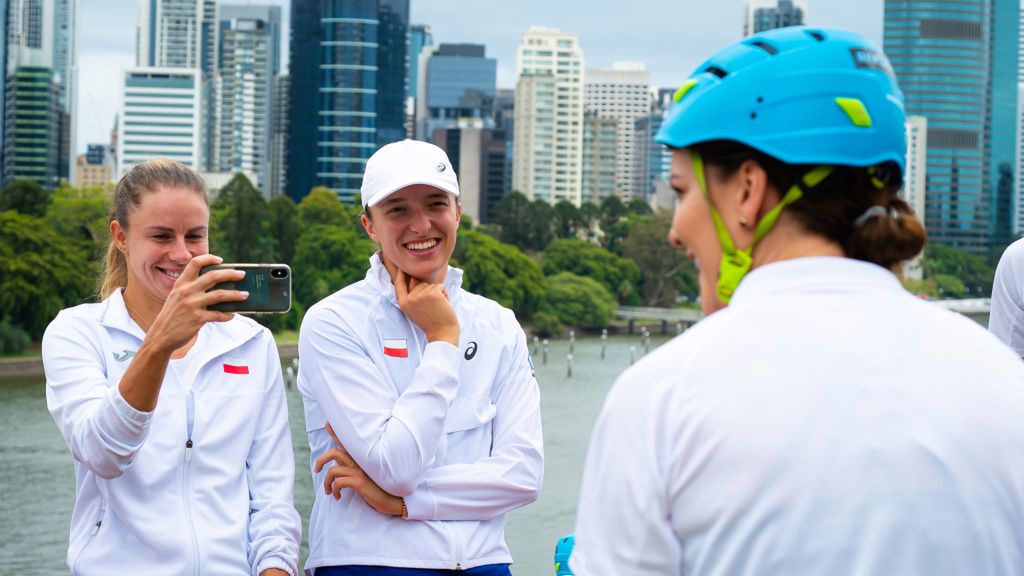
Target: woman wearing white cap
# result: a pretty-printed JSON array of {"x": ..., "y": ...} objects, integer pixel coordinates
[
  {"x": 429, "y": 388},
  {"x": 826, "y": 421}
]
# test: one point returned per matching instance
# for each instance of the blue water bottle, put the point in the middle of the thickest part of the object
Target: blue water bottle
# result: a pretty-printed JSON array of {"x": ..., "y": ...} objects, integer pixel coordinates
[{"x": 562, "y": 551}]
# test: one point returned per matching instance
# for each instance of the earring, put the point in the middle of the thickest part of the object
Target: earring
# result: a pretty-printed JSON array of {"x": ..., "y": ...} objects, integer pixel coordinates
[{"x": 743, "y": 222}]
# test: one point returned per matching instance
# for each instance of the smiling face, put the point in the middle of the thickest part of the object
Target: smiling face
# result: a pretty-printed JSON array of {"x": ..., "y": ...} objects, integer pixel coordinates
[
  {"x": 415, "y": 228},
  {"x": 166, "y": 229}
]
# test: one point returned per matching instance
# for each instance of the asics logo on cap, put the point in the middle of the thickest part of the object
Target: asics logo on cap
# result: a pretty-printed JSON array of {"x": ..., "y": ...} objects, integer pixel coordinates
[{"x": 441, "y": 167}]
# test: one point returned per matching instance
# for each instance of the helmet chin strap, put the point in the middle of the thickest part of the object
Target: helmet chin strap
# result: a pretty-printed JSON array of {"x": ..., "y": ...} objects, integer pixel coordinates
[{"x": 736, "y": 262}]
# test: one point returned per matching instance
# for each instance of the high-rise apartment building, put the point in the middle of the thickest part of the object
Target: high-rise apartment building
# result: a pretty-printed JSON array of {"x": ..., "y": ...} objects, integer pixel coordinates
[
  {"x": 598, "y": 163},
  {"x": 419, "y": 38},
  {"x": 161, "y": 116},
  {"x": 549, "y": 116},
  {"x": 957, "y": 65},
  {"x": 764, "y": 15},
  {"x": 459, "y": 85},
  {"x": 245, "y": 91},
  {"x": 392, "y": 70},
  {"x": 37, "y": 89},
  {"x": 278, "y": 178},
  {"x": 623, "y": 94}
]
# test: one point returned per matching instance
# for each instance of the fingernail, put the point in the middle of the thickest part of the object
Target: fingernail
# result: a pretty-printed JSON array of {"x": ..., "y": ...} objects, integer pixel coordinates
[
  {"x": 244, "y": 293},
  {"x": 243, "y": 273},
  {"x": 219, "y": 259}
]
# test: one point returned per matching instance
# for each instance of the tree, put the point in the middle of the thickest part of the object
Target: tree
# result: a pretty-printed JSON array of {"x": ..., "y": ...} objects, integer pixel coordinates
[
  {"x": 541, "y": 224},
  {"x": 639, "y": 206},
  {"x": 612, "y": 210},
  {"x": 568, "y": 220},
  {"x": 974, "y": 273},
  {"x": 240, "y": 230},
  {"x": 511, "y": 213},
  {"x": 321, "y": 206},
  {"x": 82, "y": 213},
  {"x": 579, "y": 301},
  {"x": 664, "y": 267},
  {"x": 619, "y": 275},
  {"x": 500, "y": 272},
  {"x": 590, "y": 217},
  {"x": 26, "y": 197},
  {"x": 41, "y": 272},
  {"x": 328, "y": 258},
  {"x": 284, "y": 227}
]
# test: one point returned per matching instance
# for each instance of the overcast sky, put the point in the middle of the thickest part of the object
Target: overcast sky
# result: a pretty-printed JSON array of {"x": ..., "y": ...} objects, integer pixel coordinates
[{"x": 671, "y": 37}]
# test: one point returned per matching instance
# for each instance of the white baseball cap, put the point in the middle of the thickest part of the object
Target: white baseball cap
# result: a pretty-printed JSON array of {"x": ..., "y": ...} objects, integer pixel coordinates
[{"x": 406, "y": 163}]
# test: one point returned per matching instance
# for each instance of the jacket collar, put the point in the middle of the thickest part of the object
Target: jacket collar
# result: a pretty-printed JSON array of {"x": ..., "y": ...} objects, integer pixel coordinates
[
  {"x": 221, "y": 336},
  {"x": 380, "y": 278},
  {"x": 816, "y": 274}
]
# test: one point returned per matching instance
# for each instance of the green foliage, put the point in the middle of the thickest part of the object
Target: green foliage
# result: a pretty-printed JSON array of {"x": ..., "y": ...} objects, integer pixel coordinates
[
  {"x": 321, "y": 206},
  {"x": 927, "y": 288},
  {"x": 82, "y": 213},
  {"x": 283, "y": 226},
  {"x": 499, "y": 272},
  {"x": 665, "y": 268},
  {"x": 541, "y": 223},
  {"x": 290, "y": 320},
  {"x": 619, "y": 275},
  {"x": 578, "y": 301},
  {"x": 958, "y": 273},
  {"x": 26, "y": 197},
  {"x": 639, "y": 206},
  {"x": 13, "y": 340},
  {"x": 328, "y": 258},
  {"x": 568, "y": 220},
  {"x": 511, "y": 213},
  {"x": 546, "y": 325},
  {"x": 612, "y": 210},
  {"x": 41, "y": 272},
  {"x": 465, "y": 223},
  {"x": 240, "y": 230}
]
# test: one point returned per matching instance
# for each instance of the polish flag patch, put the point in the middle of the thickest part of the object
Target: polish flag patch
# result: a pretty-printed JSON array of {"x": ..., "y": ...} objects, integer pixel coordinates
[
  {"x": 235, "y": 368},
  {"x": 396, "y": 348}
]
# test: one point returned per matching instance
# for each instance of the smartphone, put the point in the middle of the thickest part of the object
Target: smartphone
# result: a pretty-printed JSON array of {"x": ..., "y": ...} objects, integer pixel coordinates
[{"x": 269, "y": 287}]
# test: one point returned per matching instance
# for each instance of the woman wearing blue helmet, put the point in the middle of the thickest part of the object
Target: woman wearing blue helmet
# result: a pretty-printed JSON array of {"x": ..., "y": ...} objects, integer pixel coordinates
[{"x": 826, "y": 421}]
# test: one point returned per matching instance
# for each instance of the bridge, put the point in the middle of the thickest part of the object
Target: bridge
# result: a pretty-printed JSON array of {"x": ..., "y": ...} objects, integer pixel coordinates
[{"x": 688, "y": 317}]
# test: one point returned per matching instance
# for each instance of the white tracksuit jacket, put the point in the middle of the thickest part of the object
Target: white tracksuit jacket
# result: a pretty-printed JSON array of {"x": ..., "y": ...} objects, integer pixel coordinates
[
  {"x": 144, "y": 502},
  {"x": 826, "y": 422},
  {"x": 455, "y": 431}
]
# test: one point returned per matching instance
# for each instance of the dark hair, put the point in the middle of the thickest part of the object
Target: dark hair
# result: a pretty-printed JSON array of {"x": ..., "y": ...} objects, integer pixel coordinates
[
  {"x": 832, "y": 208},
  {"x": 143, "y": 177}
]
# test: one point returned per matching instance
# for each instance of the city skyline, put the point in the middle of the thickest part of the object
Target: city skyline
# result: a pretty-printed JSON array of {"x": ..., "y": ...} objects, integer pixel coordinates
[{"x": 107, "y": 39}]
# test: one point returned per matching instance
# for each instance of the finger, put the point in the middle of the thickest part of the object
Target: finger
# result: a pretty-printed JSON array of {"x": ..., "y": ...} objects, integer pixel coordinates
[
  {"x": 191, "y": 271},
  {"x": 215, "y": 296},
  {"x": 401, "y": 289},
  {"x": 328, "y": 456},
  {"x": 331, "y": 432},
  {"x": 214, "y": 277},
  {"x": 337, "y": 477},
  {"x": 342, "y": 482}
]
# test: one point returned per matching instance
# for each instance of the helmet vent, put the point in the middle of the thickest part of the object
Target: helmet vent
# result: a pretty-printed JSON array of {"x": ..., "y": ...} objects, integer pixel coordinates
[
  {"x": 716, "y": 71},
  {"x": 765, "y": 46},
  {"x": 820, "y": 37}
]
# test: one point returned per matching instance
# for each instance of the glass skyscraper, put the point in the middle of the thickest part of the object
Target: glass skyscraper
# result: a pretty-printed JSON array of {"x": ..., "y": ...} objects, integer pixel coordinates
[
  {"x": 347, "y": 91},
  {"x": 956, "y": 62}
]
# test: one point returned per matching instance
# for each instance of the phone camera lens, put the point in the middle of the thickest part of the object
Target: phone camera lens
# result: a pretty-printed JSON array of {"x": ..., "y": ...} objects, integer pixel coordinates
[{"x": 279, "y": 273}]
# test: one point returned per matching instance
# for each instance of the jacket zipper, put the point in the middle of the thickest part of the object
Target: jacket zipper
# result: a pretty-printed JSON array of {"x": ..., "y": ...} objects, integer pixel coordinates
[
  {"x": 92, "y": 534},
  {"x": 186, "y": 496}
]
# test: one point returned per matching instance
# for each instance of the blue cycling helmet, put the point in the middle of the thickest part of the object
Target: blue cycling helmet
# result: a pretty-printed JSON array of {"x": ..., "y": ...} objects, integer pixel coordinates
[{"x": 802, "y": 95}]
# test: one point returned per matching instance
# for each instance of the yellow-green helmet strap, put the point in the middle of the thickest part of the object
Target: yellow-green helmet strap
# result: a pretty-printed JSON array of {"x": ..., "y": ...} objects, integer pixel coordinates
[{"x": 736, "y": 263}]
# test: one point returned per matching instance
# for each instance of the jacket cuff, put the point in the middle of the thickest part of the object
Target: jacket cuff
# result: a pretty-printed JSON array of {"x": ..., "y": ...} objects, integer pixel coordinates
[
  {"x": 273, "y": 562},
  {"x": 420, "y": 504},
  {"x": 125, "y": 423},
  {"x": 448, "y": 356}
]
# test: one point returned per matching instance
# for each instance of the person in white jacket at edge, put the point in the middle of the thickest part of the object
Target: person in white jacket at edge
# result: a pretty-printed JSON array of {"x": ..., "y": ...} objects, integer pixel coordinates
[
  {"x": 175, "y": 415},
  {"x": 429, "y": 388},
  {"x": 826, "y": 421},
  {"x": 1006, "y": 318}
]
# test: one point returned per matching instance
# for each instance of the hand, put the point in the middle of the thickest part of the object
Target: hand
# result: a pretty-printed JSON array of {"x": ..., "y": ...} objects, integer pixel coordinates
[
  {"x": 428, "y": 307},
  {"x": 184, "y": 312},
  {"x": 348, "y": 474},
  {"x": 274, "y": 572}
]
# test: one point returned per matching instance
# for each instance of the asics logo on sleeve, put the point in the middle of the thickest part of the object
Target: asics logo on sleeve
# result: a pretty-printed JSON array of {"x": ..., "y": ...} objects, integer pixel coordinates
[{"x": 470, "y": 350}]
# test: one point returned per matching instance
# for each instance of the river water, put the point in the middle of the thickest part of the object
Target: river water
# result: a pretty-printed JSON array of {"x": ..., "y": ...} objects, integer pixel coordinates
[{"x": 37, "y": 477}]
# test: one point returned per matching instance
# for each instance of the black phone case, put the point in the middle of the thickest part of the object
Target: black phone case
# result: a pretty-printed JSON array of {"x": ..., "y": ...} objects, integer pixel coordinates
[{"x": 266, "y": 293}]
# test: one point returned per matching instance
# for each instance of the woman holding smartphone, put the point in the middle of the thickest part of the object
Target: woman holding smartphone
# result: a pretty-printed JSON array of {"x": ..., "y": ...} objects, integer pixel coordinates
[{"x": 175, "y": 414}]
